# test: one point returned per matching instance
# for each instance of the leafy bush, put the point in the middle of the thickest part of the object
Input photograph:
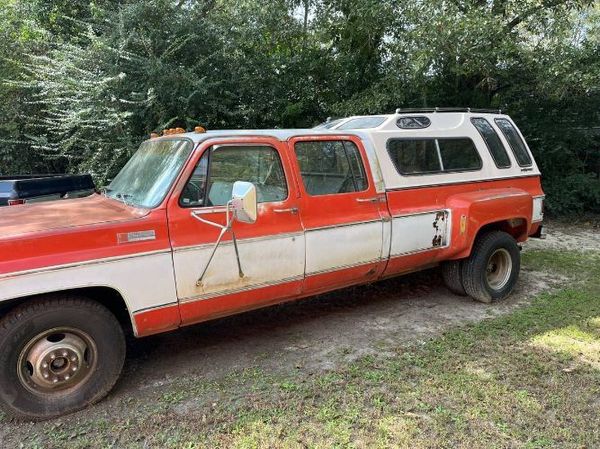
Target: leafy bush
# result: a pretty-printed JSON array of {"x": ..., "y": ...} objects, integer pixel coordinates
[{"x": 85, "y": 82}]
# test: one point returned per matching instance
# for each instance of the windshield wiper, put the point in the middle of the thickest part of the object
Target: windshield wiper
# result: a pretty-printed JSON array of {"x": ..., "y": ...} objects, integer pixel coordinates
[
  {"x": 123, "y": 197},
  {"x": 119, "y": 196}
]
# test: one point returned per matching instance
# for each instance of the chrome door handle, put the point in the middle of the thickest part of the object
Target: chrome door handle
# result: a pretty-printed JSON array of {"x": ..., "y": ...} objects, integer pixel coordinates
[
  {"x": 291, "y": 210},
  {"x": 368, "y": 200}
]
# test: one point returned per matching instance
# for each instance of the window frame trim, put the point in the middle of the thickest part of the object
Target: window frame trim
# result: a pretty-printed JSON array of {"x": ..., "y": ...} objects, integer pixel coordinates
[
  {"x": 209, "y": 151},
  {"x": 518, "y": 133},
  {"x": 437, "y": 172},
  {"x": 488, "y": 147},
  {"x": 343, "y": 142}
]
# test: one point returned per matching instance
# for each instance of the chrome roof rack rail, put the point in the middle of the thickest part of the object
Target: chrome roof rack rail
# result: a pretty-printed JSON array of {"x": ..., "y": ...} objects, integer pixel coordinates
[{"x": 433, "y": 110}]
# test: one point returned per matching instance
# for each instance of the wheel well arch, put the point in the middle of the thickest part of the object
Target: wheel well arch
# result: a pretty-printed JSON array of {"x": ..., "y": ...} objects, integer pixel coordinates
[
  {"x": 109, "y": 297},
  {"x": 516, "y": 227}
]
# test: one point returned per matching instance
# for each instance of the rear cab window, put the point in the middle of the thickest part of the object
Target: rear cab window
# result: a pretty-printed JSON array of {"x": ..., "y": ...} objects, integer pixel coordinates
[
  {"x": 330, "y": 167},
  {"x": 421, "y": 156},
  {"x": 515, "y": 142}
]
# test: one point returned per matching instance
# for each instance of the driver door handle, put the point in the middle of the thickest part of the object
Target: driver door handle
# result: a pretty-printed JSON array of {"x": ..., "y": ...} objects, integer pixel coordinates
[
  {"x": 375, "y": 199},
  {"x": 291, "y": 210}
]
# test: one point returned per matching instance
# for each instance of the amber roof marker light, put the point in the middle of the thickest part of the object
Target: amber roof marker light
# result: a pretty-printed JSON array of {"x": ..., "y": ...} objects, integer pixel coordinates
[{"x": 199, "y": 129}]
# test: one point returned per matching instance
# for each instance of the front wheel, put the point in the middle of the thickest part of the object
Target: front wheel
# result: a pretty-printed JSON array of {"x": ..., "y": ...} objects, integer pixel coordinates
[
  {"x": 492, "y": 270},
  {"x": 58, "y": 355}
]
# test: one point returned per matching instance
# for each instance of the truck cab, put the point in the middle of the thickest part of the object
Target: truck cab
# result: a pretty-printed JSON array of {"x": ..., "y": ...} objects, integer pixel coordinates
[{"x": 202, "y": 225}]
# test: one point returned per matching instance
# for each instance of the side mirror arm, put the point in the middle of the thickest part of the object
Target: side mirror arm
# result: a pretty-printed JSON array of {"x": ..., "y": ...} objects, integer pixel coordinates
[{"x": 227, "y": 227}]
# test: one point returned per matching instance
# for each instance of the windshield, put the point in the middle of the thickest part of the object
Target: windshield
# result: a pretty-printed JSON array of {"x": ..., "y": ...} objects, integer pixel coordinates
[{"x": 146, "y": 178}]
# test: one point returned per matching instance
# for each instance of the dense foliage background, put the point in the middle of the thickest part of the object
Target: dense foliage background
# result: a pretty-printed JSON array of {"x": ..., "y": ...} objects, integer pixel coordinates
[{"x": 83, "y": 82}]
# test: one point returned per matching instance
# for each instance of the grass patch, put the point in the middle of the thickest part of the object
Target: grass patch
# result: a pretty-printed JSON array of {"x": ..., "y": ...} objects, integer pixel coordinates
[{"x": 530, "y": 379}]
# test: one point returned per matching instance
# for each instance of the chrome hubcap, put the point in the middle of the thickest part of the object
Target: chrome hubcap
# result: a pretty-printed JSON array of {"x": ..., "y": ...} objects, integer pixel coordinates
[
  {"x": 57, "y": 359},
  {"x": 498, "y": 269}
]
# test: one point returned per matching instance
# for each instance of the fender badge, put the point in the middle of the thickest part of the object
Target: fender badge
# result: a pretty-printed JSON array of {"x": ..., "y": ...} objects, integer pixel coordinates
[
  {"x": 137, "y": 236},
  {"x": 463, "y": 224}
]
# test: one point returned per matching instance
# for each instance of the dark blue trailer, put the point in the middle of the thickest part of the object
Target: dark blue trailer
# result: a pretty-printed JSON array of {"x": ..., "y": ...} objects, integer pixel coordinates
[{"x": 35, "y": 188}]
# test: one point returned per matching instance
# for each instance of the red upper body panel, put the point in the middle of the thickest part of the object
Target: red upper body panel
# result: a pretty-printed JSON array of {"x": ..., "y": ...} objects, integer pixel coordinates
[
  {"x": 57, "y": 215},
  {"x": 61, "y": 232}
]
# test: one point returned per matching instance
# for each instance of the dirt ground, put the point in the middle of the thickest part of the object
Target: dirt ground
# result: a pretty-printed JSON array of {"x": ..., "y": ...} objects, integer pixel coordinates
[{"x": 318, "y": 333}]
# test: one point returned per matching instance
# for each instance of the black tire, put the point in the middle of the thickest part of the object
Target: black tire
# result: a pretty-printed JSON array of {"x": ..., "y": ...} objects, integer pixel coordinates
[
  {"x": 452, "y": 276},
  {"x": 88, "y": 340},
  {"x": 482, "y": 278}
]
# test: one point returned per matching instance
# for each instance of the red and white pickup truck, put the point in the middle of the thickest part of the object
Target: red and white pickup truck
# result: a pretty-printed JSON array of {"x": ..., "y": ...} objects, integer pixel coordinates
[{"x": 201, "y": 225}]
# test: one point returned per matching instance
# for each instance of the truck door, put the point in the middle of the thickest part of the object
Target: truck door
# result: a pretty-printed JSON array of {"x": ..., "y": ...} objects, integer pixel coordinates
[
  {"x": 340, "y": 210},
  {"x": 271, "y": 250}
]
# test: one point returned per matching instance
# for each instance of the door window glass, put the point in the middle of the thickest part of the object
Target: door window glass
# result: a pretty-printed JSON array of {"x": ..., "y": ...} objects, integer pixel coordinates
[
  {"x": 330, "y": 167},
  {"x": 218, "y": 169}
]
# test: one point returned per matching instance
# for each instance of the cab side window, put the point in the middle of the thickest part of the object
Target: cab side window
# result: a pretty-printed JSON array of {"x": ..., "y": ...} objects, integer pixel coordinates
[
  {"x": 220, "y": 167},
  {"x": 330, "y": 167}
]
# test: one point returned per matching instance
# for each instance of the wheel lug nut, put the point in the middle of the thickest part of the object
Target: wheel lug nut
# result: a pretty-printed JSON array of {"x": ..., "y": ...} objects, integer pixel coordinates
[
  {"x": 74, "y": 369},
  {"x": 64, "y": 354},
  {"x": 73, "y": 359},
  {"x": 44, "y": 365},
  {"x": 67, "y": 377},
  {"x": 46, "y": 375},
  {"x": 55, "y": 380},
  {"x": 52, "y": 356}
]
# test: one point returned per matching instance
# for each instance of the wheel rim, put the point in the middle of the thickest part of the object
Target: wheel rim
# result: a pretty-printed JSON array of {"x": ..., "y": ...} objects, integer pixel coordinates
[
  {"x": 499, "y": 269},
  {"x": 57, "y": 360}
]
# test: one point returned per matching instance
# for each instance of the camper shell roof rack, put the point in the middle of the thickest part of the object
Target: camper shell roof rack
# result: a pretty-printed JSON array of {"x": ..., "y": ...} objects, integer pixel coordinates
[{"x": 430, "y": 110}]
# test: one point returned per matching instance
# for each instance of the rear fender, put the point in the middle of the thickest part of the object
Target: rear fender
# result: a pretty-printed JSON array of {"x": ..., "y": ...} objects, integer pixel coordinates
[{"x": 507, "y": 209}]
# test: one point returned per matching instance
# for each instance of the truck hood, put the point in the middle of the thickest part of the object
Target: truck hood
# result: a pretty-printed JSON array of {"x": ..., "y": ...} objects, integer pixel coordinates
[{"x": 51, "y": 215}]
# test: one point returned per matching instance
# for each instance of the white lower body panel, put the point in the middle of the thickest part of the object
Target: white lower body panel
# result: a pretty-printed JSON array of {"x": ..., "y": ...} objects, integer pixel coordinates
[
  {"x": 342, "y": 246},
  {"x": 264, "y": 261},
  {"x": 420, "y": 232},
  {"x": 144, "y": 281}
]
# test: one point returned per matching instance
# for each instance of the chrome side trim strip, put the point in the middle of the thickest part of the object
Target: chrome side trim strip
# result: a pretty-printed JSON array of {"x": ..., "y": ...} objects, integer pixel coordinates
[
  {"x": 432, "y": 211},
  {"x": 239, "y": 290},
  {"x": 343, "y": 267},
  {"x": 83, "y": 263},
  {"x": 344, "y": 225},
  {"x": 152, "y": 308},
  {"x": 274, "y": 236},
  {"x": 240, "y": 241},
  {"x": 424, "y": 250}
]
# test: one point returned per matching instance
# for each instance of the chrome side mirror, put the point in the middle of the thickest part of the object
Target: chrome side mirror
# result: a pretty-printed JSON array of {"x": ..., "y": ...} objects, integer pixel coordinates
[
  {"x": 241, "y": 207},
  {"x": 243, "y": 202}
]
